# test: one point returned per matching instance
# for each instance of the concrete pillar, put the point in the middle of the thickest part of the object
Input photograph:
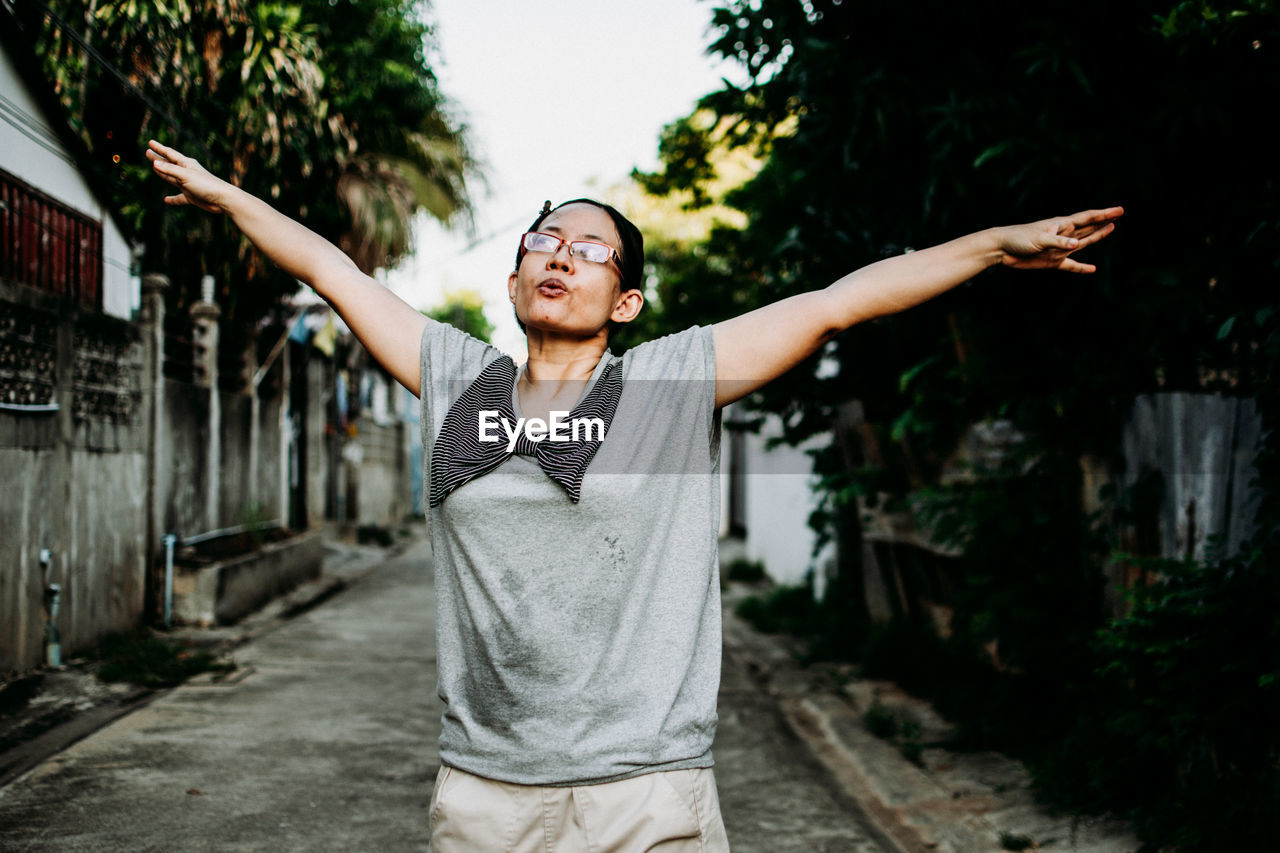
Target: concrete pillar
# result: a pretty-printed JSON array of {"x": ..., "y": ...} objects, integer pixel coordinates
[
  {"x": 288, "y": 421},
  {"x": 255, "y": 430},
  {"x": 151, "y": 316},
  {"x": 204, "y": 321}
]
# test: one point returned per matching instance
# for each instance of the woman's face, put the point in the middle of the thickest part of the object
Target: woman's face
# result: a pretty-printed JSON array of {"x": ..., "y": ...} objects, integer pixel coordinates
[{"x": 556, "y": 292}]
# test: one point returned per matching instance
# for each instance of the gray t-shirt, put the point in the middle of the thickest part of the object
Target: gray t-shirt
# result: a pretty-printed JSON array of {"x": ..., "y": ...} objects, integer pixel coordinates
[{"x": 580, "y": 643}]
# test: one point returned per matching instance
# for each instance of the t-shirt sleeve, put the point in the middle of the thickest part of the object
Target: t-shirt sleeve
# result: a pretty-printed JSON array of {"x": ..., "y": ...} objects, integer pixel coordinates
[
  {"x": 450, "y": 360},
  {"x": 679, "y": 373},
  {"x": 690, "y": 354}
]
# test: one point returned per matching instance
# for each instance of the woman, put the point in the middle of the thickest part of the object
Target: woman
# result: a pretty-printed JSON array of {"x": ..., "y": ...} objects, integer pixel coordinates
[{"x": 578, "y": 632}]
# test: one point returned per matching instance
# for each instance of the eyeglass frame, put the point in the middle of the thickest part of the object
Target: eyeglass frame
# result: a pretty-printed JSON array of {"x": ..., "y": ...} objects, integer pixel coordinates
[{"x": 614, "y": 254}]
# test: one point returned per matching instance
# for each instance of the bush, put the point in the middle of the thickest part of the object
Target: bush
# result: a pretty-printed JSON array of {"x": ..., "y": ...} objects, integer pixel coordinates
[
  {"x": 747, "y": 571},
  {"x": 1181, "y": 723},
  {"x": 783, "y": 609}
]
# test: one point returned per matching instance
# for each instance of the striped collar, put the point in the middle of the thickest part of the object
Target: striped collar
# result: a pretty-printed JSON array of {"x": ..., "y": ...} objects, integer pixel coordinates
[{"x": 458, "y": 455}]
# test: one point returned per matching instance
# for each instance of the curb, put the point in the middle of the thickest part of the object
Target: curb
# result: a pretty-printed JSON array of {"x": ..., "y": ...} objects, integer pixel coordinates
[{"x": 950, "y": 801}]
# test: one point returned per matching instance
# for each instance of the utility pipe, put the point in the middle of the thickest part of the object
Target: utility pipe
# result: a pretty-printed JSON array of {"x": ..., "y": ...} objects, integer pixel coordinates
[
  {"x": 169, "y": 541},
  {"x": 231, "y": 531},
  {"x": 52, "y": 595},
  {"x": 52, "y": 638}
]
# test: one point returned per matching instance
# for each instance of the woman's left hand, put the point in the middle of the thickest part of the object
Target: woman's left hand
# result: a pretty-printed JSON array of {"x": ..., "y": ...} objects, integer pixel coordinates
[{"x": 1049, "y": 243}]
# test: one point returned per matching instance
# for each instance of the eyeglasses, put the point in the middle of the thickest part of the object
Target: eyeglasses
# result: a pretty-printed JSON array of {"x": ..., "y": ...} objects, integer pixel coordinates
[{"x": 585, "y": 250}]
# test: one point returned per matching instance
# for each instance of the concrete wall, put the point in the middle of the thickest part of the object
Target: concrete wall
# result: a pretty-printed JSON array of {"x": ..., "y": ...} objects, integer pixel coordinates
[
  {"x": 1202, "y": 446},
  {"x": 74, "y": 481},
  {"x": 382, "y": 480},
  {"x": 778, "y": 500},
  {"x": 182, "y": 473},
  {"x": 82, "y": 476},
  {"x": 250, "y": 487},
  {"x": 1199, "y": 447}
]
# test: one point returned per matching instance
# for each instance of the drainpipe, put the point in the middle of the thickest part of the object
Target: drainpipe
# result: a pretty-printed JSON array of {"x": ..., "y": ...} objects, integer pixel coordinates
[
  {"x": 169, "y": 541},
  {"x": 52, "y": 596}
]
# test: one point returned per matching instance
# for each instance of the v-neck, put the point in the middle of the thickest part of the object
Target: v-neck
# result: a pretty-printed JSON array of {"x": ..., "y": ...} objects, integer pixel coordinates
[{"x": 596, "y": 372}]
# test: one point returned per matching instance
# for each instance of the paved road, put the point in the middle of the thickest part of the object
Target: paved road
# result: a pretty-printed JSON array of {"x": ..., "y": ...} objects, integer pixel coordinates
[
  {"x": 775, "y": 796},
  {"x": 328, "y": 743}
]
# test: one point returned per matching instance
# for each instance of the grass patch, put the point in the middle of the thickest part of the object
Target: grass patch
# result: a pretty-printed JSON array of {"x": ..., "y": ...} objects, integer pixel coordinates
[
  {"x": 747, "y": 571},
  {"x": 881, "y": 722},
  {"x": 823, "y": 626},
  {"x": 147, "y": 660},
  {"x": 783, "y": 609},
  {"x": 898, "y": 728}
]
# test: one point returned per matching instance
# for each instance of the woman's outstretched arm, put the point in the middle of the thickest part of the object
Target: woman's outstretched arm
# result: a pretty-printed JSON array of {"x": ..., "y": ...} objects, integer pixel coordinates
[
  {"x": 761, "y": 345},
  {"x": 388, "y": 327}
]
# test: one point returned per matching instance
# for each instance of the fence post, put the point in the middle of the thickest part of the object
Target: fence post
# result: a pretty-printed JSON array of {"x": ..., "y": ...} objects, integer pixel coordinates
[
  {"x": 255, "y": 496},
  {"x": 204, "y": 320},
  {"x": 151, "y": 316}
]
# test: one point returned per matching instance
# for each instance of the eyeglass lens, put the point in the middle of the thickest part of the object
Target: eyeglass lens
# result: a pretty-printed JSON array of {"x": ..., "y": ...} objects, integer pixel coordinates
[{"x": 586, "y": 250}]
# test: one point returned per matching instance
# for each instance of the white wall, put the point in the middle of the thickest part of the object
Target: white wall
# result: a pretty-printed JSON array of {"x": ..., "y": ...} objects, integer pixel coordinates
[
  {"x": 30, "y": 149},
  {"x": 779, "y": 501}
]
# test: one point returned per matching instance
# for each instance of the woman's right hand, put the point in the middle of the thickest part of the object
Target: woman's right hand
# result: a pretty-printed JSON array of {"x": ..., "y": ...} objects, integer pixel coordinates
[{"x": 198, "y": 186}]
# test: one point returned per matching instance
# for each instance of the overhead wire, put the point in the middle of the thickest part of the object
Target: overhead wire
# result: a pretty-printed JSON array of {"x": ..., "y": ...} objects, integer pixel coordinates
[
  {"x": 28, "y": 119},
  {"x": 97, "y": 57},
  {"x": 6, "y": 115}
]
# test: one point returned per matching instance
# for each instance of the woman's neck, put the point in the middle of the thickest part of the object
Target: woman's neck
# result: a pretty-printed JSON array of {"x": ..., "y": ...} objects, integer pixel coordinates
[{"x": 554, "y": 359}]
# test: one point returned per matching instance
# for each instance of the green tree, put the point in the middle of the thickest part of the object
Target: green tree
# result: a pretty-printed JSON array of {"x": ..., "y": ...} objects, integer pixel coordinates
[
  {"x": 883, "y": 126},
  {"x": 464, "y": 310},
  {"x": 328, "y": 110},
  {"x": 887, "y": 125}
]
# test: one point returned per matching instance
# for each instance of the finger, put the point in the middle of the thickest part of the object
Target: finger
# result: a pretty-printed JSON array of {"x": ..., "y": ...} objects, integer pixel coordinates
[
  {"x": 164, "y": 150},
  {"x": 176, "y": 199},
  {"x": 1096, "y": 217},
  {"x": 1094, "y": 234},
  {"x": 166, "y": 170},
  {"x": 1062, "y": 241},
  {"x": 1071, "y": 265},
  {"x": 158, "y": 158}
]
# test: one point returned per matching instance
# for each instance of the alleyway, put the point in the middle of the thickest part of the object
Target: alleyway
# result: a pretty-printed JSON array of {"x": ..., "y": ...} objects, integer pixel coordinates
[{"x": 327, "y": 742}]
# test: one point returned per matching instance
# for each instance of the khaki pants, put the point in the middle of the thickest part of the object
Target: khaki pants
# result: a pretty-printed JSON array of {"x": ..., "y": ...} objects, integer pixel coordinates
[{"x": 673, "y": 811}]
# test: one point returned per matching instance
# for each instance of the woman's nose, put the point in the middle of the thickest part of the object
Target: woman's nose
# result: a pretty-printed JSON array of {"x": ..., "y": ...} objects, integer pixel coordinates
[{"x": 561, "y": 258}]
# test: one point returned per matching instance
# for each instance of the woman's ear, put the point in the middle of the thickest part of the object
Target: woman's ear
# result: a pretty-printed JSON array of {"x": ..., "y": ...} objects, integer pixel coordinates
[
  {"x": 511, "y": 285},
  {"x": 627, "y": 307}
]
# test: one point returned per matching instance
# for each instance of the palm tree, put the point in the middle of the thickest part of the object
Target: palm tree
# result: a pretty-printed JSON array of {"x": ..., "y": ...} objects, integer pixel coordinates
[
  {"x": 332, "y": 112},
  {"x": 383, "y": 192}
]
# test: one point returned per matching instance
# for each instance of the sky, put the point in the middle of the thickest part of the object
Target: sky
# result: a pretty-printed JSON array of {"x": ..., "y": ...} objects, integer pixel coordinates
[{"x": 561, "y": 100}]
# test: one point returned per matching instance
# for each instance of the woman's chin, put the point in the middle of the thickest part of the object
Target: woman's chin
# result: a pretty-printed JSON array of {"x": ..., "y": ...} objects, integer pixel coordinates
[{"x": 556, "y": 328}]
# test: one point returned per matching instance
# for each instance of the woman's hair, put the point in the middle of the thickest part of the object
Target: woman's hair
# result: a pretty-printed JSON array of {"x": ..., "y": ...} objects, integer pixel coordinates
[{"x": 631, "y": 251}]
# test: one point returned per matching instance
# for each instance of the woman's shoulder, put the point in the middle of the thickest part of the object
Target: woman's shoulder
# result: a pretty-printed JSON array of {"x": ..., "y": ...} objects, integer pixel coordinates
[
  {"x": 688, "y": 354},
  {"x": 451, "y": 355}
]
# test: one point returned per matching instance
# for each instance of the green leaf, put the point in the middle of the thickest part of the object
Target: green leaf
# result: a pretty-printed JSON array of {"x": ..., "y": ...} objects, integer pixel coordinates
[
  {"x": 992, "y": 151},
  {"x": 909, "y": 376}
]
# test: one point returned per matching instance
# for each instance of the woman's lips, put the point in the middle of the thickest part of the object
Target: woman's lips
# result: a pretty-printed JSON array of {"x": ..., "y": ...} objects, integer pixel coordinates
[{"x": 552, "y": 287}]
